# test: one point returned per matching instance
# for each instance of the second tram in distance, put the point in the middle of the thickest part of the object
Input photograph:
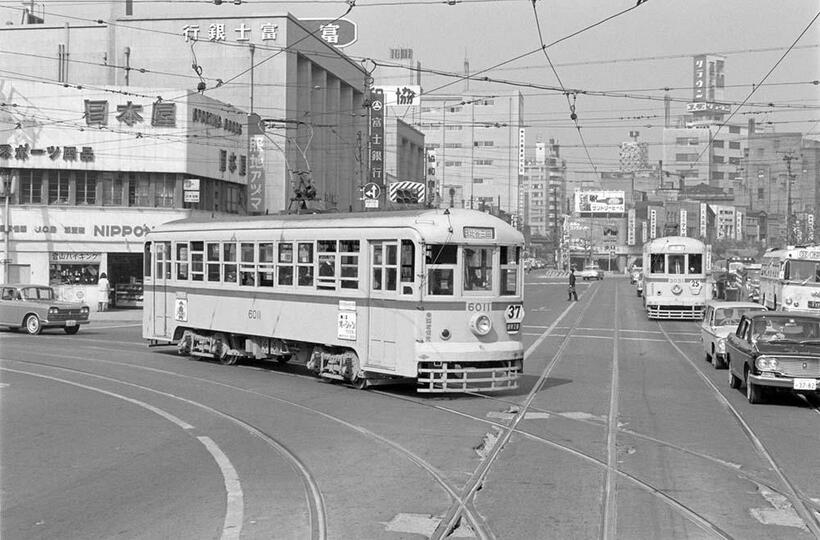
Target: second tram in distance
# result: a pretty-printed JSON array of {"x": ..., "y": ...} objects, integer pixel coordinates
[
  {"x": 429, "y": 295},
  {"x": 675, "y": 285}
]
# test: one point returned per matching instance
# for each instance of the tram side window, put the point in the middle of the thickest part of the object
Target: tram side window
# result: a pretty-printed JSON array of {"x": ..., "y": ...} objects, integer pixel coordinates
[
  {"x": 265, "y": 264},
  {"x": 284, "y": 268},
  {"x": 441, "y": 262},
  {"x": 349, "y": 264},
  {"x": 656, "y": 262},
  {"x": 695, "y": 263},
  {"x": 147, "y": 259},
  {"x": 408, "y": 266},
  {"x": 326, "y": 257},
  {"x": 305, "y": 264},
  {"x": 247, "y": 268},
  {"x": 212, "y": 256},
  {"x": 677, "y": 264},
  {"x": 510, "y": 257},
  {"x": 163, "y": 260},
  {"x": 182, "y": 263},
  {"x": 197, "y": 262},
  {"x": 478, "y": 269},
  {"x": 229, "y": 262}
]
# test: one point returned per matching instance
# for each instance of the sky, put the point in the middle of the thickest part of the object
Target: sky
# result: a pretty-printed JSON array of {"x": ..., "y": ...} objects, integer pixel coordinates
[{"x": 639, "y": 52}]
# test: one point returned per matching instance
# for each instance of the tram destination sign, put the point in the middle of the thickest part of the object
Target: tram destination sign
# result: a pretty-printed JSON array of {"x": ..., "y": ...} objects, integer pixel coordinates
[{"x": 479, "y": 233}]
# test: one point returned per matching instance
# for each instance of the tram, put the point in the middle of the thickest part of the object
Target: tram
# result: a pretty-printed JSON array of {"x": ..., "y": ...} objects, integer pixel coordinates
[
  {"x": 790, "y": 279},
  {"x": 432, "y": 295},
  {"x": 675, "y": 285}
]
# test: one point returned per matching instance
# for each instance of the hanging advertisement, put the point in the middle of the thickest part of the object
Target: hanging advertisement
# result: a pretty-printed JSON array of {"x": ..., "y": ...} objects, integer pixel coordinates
[
  {"x": 630, "y": 227},
  {"x": 683, "y": 220},
  {"x": 377, "y": 137},
  {"x": 738, "y": 225},
  {"x": 644, "y": 232},
  {"x": 653, "y": 224},
  {"x": 522, "y": 146},
  {"x": 600, "y": 202},
  {"x": 256, "y": 173},
  {"x": 703, "y": 220}
]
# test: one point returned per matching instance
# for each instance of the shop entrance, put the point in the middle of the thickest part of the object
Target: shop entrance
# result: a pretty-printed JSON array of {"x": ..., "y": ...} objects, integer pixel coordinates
[{"x": 125, "y": 276}]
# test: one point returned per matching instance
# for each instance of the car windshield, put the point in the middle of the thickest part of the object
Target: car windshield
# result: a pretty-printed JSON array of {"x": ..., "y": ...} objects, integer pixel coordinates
[
  {"x": 786, "y": 329},
  {"x": 37, "y": 293},
  {"x": 731, "y": 316}
]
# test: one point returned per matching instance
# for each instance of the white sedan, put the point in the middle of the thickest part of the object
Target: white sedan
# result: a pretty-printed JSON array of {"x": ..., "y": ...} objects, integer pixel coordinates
[
  {"x": 720, "y": 320},
  {"x": 591, "y": 271}
]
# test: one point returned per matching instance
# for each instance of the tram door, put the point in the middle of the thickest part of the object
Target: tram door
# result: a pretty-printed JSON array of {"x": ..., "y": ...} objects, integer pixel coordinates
[
  {"x": 160, "y": 302},
  {"x": 383, "y": 316}
]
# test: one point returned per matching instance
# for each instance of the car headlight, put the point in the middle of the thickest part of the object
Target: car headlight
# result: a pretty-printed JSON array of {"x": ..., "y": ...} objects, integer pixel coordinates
[
  {"x": 480, "y": 324},
  {"x": 767, "y": 363},
  {"x": 721, "y": 345},
  {"x": 53, "y": 311},
  {"x": 84, "y": 310}
]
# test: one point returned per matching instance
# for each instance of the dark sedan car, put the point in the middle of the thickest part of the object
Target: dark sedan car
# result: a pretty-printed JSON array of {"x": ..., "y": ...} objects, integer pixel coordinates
[
  {"x": 775, "y": 350},
  {"x": 35, "y": 307}
]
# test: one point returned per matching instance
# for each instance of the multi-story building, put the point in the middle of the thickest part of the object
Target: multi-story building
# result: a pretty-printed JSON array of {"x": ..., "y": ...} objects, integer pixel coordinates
[
  {"x": 477, "y": 140},
  {"x": 704, "y": 152},
  {"x": 543, "y": 188}
]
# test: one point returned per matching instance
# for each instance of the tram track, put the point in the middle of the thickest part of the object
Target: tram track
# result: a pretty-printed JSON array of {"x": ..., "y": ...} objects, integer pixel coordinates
[
  {"x": 791, "y": 492},
  {"x": 476, "y": 524}
]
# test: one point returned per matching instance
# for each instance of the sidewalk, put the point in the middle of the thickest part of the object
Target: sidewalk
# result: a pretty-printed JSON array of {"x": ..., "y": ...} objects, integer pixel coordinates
[{"x": 123, "y": 315}]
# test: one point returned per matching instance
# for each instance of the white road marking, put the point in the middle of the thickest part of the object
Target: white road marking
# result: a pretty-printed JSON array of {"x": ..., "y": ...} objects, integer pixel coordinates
[{"x": 235, "y": 499}]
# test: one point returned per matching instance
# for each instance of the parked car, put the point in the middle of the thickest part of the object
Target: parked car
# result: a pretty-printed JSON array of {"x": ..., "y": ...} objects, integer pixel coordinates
[
  {"x": 774, "y": 350},
  {"x": 35, "y": 307},
  {"x": 721, "y": 319},
  {"x": 591, "y": 271}
]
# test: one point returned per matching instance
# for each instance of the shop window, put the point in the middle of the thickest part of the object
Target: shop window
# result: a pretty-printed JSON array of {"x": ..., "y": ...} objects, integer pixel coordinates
[
  {"x": 213, "y": 265},
  {"x": 197, "y": 261},
  {"x": 182, "y": 264},
  {"x": 247, "y": 266},
  {"x": 326, "y": 258},
  {"x": 73, "y": 273},
  {"x": 58, "y": 187},
  {"x": 229, "y": 262},
  {"x": 138, "y": 187},
  {"x": 164, "y": 190},
  {"x": 305, "y": 264},
  {"x": 86, "y": 187},
  {"x": 265, "y": 272},
  {"x": 284, "y": 266},
  {"x": 112, "y": 191},
  {"x": 31, "y": 187}
]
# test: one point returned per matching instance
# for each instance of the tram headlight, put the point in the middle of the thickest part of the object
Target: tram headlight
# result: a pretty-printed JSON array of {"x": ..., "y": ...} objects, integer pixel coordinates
[
  {"x": 767, "y": 363},
  {"x": 788, "y": 301},
  {"x": 480, "y": 324}
]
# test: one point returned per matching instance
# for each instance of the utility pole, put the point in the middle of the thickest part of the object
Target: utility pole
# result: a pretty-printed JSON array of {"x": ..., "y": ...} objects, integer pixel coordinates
[{"x": 788, "y": 157}]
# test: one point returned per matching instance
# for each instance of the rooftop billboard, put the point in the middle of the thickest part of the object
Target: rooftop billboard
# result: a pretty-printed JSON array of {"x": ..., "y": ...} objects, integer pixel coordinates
[{"x": 600, "y": 202}]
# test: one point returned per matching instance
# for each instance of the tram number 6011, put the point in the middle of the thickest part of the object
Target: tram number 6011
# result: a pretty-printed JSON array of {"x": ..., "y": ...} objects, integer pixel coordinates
[
  {"x": 255, "y": 314},
  {"x": 479, "y": 306}
]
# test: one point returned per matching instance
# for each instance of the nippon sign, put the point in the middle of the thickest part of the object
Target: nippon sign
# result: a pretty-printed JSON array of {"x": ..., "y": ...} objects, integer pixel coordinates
[{"x": 600, "y": 202}]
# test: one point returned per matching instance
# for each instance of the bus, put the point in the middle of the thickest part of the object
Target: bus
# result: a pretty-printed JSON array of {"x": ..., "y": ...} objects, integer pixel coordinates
[
  {"x": 675, "y": 284},
  {"x": 790, "y": 279},
  {"x": 433, "y": 296}
]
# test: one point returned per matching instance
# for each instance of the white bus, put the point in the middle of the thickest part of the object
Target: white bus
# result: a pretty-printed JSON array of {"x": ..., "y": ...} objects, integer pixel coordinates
[
  {"x": 790, "y": 279},
  {"x": 674, "y": 278}
]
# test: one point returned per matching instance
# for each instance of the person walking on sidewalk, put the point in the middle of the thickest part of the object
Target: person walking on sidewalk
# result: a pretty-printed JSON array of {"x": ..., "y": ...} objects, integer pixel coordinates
[
  {"x": 103, "y": 290},
  {"x": 571, "y": 291}
]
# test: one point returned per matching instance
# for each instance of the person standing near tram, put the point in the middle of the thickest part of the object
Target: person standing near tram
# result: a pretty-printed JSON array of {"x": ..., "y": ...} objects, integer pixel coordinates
[
  {"x": 571, "y": 293},
  {"x": 103, "y": 291}
]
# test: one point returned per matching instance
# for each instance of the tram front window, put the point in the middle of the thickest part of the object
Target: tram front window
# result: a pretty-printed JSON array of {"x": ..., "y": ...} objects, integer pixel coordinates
[
  {"x": 478, "y": 269},
  {"x": 677, "y": 264},
  {"x": 695, "y": 263},
  {"x": 657, "y": 263}
]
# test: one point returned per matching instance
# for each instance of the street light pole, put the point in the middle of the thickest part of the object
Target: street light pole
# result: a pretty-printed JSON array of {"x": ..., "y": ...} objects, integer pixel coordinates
[{"x": 789, "y": 234}]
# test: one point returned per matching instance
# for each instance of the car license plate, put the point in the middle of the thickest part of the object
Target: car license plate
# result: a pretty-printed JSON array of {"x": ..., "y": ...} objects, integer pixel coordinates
[
  {"x": 805, "y": 384},
  {"x": 71, "y": 322}
]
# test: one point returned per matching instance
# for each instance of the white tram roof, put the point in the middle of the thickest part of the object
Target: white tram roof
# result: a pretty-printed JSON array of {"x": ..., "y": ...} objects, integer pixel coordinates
[
  {"x": 663, "y": 244},
  {"x": 432, "y": 225}
]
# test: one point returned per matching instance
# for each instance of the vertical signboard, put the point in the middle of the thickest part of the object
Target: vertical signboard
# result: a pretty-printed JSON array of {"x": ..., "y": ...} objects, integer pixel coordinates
[
  {"x": 522, "y": 146},
  {"x": 653, "y": 224},
  {"x": 683, "y": 219},
  {"x": 377, "y": 137},
  {"x": 256, "y": 166},
  {"x": 699, "y": 78},
  {"x": 644, "y": 232},
  {"x": 738, "y": 225},
  {"x": 703, "y": 220},
  {"x": 810, "y": 228},
  {"x": 630, "y": 227}
]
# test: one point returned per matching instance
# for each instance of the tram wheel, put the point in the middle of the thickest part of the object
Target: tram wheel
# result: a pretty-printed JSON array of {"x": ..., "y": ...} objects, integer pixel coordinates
[
  {"x": 361, "y": 383},
  {"x": 229, "y": 359}
]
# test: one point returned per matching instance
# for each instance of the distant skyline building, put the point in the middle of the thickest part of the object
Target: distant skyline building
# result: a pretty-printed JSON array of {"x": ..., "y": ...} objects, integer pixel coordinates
[
  {"x": 477, "y": 142},
  {"x": 634, "y": 155},
  {"x": 543, "y": 189}
]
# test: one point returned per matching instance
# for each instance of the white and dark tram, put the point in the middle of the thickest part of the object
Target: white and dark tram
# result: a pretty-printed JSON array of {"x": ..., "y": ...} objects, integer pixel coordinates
[
  {"x": 675, "y": 285},
  {"x": 432, "y": 295}
]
